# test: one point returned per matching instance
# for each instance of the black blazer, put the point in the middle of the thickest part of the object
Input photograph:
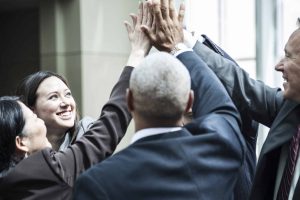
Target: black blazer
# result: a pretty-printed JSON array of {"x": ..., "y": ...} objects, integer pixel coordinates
[
  {"x": 265, "y": 105},
  {"x": 177, "y": 165}
]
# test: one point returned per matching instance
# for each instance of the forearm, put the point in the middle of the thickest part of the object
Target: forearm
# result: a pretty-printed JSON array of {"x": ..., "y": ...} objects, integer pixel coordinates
[
  {"x": 210, "y": 95},
  {"x": 102, "y": 138}
]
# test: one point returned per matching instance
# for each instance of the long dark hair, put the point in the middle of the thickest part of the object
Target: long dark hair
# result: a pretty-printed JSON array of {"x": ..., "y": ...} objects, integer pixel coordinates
[
  {"x": 26, "y": 90},
  {"x": 12, "y": 123}
]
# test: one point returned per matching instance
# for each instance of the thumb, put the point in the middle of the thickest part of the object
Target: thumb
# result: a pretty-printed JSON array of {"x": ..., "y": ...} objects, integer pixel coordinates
[{"x": 148, "y": 33}]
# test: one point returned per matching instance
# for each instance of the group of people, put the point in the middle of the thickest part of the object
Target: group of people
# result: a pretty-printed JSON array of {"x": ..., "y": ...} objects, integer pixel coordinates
[{"x": 47, "y": 152}]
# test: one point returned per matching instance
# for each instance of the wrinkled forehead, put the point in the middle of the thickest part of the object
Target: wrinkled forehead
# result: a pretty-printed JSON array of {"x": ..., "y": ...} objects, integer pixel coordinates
[{"x": 293, "y": 44}]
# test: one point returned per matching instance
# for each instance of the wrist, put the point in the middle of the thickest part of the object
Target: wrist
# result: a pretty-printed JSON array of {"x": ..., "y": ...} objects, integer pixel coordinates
[
  {"x": 178, "y": 48},
  {"x": 135, "y": 57}
]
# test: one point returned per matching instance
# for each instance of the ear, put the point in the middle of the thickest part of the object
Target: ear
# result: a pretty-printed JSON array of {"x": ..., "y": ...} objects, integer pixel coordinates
[
  {"x": 190, "y": 102},
  {"x": 129, "y": 99},
  {"x": 22, "y": 144},
  {"x": 33, "y": 109}
]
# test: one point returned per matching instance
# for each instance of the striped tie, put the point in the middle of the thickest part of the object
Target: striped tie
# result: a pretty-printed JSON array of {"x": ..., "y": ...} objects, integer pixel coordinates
[{"x": 285, "y": 184}]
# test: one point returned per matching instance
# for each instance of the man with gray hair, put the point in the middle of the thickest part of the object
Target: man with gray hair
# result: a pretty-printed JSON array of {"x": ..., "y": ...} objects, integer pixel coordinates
[
  {"x": 154, "y": 85},
  {"x": 164, "y": 159}
]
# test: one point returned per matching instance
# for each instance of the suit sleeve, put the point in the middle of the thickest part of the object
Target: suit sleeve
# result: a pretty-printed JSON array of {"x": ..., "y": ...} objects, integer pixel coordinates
[
  {"x": 211, "y": 98},
  {"x": 251, "y": 96},
  {"x": 100, "y": 140},
  {"x": 218, "y": 143},
  {"x": 210, "y": 95}
]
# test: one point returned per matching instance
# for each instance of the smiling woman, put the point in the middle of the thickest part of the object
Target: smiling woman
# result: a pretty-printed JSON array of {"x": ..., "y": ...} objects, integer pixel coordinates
[
  {"x": 29, "y": 169},
  {"x": 50, "y": 98}
]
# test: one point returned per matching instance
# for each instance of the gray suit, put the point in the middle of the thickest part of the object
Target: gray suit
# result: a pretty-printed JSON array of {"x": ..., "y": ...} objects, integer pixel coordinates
[{"x": 265, "y": 105}]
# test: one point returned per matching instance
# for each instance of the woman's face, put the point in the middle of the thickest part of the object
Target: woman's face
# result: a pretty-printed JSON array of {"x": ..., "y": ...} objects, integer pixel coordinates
[
  {"x": 55, "y": 105},
  {"x": 34, "y": 131}
]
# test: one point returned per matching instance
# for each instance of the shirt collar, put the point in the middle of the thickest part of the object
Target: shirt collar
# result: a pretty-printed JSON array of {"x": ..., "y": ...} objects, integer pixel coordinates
[{"x": 152, "y": 131}]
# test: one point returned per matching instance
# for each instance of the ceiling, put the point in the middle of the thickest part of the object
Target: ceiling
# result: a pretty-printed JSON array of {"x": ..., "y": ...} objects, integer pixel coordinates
[{"x": 12, "y": 5}]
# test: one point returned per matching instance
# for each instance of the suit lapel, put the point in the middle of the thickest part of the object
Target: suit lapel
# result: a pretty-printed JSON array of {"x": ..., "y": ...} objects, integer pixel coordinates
[{"x": 283, "y": 127}]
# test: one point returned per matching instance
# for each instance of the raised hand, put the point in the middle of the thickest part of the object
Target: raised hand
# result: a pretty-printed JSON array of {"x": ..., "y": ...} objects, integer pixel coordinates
[
  {"x": 167, "y": 28},
  {"x": 140, "y": 43}
]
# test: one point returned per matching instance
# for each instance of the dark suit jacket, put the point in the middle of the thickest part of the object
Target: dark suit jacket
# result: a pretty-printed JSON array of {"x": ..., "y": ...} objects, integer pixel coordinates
[
  {"x": 51, "y": 175},
  {"x": 249, "y": 131},
  {"x": 177, "y": 165},
  {"x": 265, "y": 105}
]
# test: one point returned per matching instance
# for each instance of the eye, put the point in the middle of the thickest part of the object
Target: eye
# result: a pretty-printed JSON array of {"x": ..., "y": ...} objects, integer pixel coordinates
[
  {"x": 53, "y": 97},
  {"x": 287, "y": 55},
  {"x": 68, "y": 94}
]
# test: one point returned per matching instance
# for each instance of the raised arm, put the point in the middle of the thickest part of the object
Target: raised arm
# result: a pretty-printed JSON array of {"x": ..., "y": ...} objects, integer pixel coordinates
[
  {"x": 251, "y": 96},
  {"x": 102, "y": 138}
]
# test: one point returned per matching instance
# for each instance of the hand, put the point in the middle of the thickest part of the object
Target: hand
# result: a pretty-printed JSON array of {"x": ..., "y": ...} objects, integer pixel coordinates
[
  {"x": 140, "y": 43},
  {"x": 167, "y": 29}
]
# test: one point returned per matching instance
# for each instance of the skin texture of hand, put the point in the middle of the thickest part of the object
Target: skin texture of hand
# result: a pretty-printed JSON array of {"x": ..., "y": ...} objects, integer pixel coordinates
[
  {"x": 167, "y": 28},
  {"x": 140, "y": 43}
]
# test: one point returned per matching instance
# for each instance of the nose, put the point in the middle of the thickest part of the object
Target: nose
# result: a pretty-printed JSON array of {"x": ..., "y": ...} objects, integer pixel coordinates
[
  {"x": 64, "y": 102},
  {"x": 279, "y": 66}
]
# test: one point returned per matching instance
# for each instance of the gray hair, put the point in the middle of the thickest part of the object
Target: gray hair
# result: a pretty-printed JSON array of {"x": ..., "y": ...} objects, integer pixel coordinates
[{"x": 160, "y": 87}]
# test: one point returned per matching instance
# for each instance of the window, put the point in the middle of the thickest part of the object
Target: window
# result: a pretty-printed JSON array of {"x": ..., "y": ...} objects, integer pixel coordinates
[{"x": 229, "y": 23}]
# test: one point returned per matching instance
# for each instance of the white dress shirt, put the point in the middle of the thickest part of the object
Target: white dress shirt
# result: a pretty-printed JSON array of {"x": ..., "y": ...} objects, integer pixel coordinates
[{"x": 152, "y": 131}]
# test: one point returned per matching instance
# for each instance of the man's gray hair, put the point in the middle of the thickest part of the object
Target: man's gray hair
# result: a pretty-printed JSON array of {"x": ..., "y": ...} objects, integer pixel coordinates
[{"x": 160, "y": 86}]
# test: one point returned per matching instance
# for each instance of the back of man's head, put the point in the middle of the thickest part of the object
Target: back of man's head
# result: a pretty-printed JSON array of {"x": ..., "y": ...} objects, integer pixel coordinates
[{"x": 160, "y": 88}]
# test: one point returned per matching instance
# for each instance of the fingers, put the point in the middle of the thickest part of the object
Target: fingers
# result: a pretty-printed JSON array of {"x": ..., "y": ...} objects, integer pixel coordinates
[
  {"x": 157, "y": 13},
  {"x": 128, "y": 27},
  {"x": 149, "y": 20},
  {"x": 140, "y": 13},
  {"x": 172, "y": 10},
  {"x": 148, "y": 33},
  {"x": 134, "y": 19},
  {"x": 145, "y": 13},
  {"x": 165, "y": 9},
  {"x": 181, "y": 13}
]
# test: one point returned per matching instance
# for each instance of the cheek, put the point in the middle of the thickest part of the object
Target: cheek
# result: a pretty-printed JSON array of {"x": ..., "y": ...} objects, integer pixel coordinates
[
  {"x": 46, "y": 108},
  {"x": 72, "y": 102}
]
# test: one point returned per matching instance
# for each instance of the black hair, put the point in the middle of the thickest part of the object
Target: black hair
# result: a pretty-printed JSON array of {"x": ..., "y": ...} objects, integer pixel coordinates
[
  {"x": 26, "y": 90},
  {"x": 12, "y": 123}
]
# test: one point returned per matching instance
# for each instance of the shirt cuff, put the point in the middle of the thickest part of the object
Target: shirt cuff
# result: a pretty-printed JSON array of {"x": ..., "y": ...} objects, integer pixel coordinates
[{"x": 190, "y": 40}]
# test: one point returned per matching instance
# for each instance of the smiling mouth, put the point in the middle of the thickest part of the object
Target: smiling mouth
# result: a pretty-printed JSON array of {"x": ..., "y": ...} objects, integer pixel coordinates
[
  {"x": 285, "y": 80},
  {"x": 65, "y": 114}
]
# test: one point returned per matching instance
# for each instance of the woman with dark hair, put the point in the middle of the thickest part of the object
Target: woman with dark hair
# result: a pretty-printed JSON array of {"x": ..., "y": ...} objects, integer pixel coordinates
[
  {"x": 29, "y": 169},
  {"x": 48, "y": 95}
]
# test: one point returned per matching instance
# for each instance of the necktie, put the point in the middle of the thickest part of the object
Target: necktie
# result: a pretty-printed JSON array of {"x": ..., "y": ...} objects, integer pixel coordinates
[{"x": 286, "y": 180}]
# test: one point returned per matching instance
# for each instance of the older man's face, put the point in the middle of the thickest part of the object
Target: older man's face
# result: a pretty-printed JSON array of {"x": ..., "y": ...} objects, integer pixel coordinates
[{"x": 290, "y": 67}]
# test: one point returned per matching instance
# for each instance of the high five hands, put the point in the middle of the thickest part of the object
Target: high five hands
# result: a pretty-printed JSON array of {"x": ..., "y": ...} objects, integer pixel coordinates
[{"x": 167, "y": 28}]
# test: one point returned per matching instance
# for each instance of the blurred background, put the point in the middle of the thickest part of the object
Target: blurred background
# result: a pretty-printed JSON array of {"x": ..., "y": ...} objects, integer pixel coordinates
[{"x": 86, "y": 41}]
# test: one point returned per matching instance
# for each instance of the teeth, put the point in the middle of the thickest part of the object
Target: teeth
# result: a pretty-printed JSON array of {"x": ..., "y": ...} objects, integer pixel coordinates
[
  {"x": 284, "y": 79},
  {"x": 67, "y": 113}
]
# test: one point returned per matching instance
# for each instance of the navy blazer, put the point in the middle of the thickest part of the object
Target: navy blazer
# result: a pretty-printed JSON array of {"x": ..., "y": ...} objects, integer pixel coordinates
[
  {"x": 266, "y": 105},
  {"x": 177, "y": 165},
  {"x": 249, "y": 131}
]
